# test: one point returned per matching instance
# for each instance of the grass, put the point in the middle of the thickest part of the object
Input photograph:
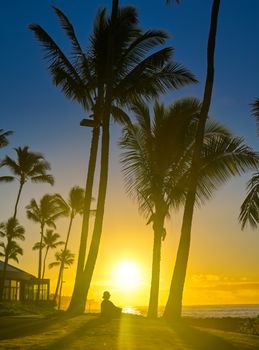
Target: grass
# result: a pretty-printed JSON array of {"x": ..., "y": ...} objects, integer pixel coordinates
[{"x": 128, "y": 333}]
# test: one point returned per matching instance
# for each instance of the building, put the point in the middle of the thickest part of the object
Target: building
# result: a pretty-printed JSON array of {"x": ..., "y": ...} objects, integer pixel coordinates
[{"x": 20, "y": 285}]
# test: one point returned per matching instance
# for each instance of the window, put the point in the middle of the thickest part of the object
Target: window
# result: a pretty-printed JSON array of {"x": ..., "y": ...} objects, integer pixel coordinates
[{"x": 11, "y": 290}]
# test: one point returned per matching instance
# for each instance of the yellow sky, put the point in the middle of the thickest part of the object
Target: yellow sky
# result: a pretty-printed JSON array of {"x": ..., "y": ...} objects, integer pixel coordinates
[{"x": 223, "y": 265}]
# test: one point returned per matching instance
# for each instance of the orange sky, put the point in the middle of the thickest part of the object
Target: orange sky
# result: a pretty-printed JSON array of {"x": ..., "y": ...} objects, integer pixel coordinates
[{"x": 223, "y": 264}]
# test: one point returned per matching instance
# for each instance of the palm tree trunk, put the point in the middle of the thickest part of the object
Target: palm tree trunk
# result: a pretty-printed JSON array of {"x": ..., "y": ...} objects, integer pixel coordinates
[
  {"x": 40, "y": 263},
  {"x": 17, "y": 199},
  {"x": 85, "y": 225},
  {"x": 61, "y": 268},
  {"x": 97, "y": 231},
  {"x": 174, "y": 304},
  {"x": 83, "y": 278},
  {"x": 154, "y": 290},
  {"x": 69, "y": 228},
  {"x": 44, "y": 262},
  {"x": 115, "y": 6}
]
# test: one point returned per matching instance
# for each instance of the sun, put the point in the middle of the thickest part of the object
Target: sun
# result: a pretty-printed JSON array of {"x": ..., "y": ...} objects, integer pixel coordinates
[{"x": 127, "y": 275}]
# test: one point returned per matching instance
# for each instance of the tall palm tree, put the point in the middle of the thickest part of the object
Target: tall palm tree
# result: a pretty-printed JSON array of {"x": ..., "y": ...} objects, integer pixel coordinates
[
  {"x": 156, "y": 164},
  {"x": 249, "y": 211},
  {"x": 173, "y": 307},
  {"x": 50, "y": 241},
  {"x": 11, "y": 231},
  {"x": 28, "y": 166},
  {"x": 3, "y": 137},
  {"x": 121, "y": 65},
  {"x": 45, "y": 213},
  {"x": 75, "y": 205}
]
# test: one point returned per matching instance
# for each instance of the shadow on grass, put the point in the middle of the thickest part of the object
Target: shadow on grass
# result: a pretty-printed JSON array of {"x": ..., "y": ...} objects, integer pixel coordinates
[
  {"x": 15, "y": 327},
  {"x": 200, "y": 339},
  {"x": 184, "y": 335},
  {"x": 97, "y": 332},
  {"x": 87, "y": 328}
]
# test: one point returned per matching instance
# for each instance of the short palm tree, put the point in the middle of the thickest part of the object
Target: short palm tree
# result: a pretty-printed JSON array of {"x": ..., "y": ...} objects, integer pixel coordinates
[
  {"x": 156, "y": 164},
  {"x": 28, "y": 166},
  {"x": 11, "y": 231},
  {"x": 121, "y": 65},
  {"x": 3, "y": 137},
  {"x": 64, "y": 259},
  {"x": 74, "y": 205},
  {"x": 45, "y": 213},
  {"x": 153, "y": 161},
  {"x": 50, "y": 241},
  {"x": 249, "y": 212}
]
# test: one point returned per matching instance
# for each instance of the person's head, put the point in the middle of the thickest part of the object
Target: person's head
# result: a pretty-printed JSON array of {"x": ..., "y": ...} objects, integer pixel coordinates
[{"x": 106, "y": 295}]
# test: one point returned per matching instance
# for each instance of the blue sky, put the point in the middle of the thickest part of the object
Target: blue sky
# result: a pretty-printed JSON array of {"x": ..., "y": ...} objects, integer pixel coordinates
[
  {"x": 41, "y": 117},
  {"x": 28, "y": 97}
]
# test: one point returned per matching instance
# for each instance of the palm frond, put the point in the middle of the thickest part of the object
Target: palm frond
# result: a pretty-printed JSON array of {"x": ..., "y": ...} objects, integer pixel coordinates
[
  {"x": 249, "y": 211},
  {"x": 43, "y": 179},
  {"x": 7, "y": 178},
  {"x": 255, "y": 112},
  {"x": 3, "y": 137}
]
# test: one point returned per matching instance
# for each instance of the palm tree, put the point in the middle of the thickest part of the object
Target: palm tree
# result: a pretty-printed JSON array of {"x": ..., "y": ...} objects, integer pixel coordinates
[
  {"x": 173, "y": 307},
  {"x": 249, "y": 211},
  {"x": 11, "y": 231},
  {"x": 75, "y": 205},
  {"x": 156, "y": 164},
  {"x": 50, "y": 241},
  {"x": 64, "y": 259},
  {"x": 29, "y": 165},
  {"x": 3, "y": 137},
  {"x": 151, "y": 157},
  {"x": 45, "y": 213},
  {"x": 120, "y": 66}
]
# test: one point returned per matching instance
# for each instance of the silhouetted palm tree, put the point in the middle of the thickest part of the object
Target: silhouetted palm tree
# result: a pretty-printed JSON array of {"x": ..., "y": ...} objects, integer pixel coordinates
[
  {"x": 156, "y": 164},
  {"x": 45, "y": 213},
  {"x": 64, "y": 259},
  {"x": 120, "y": 66},
  {"x": 11, "y": 231},
  {"x": 3, "y": 137},
  {"x": 28, "y": 166},
  {"x": 50, "y": 241},
  {"x": 173, "y": 307},
  {"x": 249, "y": 212},
  {"x": 75, "y": 205}
]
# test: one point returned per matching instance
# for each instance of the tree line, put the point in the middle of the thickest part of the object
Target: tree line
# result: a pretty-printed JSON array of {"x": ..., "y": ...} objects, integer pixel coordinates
[{"x": 32, "y": 166}]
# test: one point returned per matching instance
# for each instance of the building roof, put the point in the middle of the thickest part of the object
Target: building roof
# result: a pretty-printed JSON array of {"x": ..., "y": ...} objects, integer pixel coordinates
[{"x": 15, "y": 272}]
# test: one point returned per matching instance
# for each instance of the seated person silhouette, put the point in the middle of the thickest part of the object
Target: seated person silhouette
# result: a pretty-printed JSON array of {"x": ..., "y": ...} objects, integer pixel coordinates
[{"x": 108, "y": 309}]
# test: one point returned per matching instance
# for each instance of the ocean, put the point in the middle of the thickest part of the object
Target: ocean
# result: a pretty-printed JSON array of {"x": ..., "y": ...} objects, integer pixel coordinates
[{"x": 205, "y": 311}]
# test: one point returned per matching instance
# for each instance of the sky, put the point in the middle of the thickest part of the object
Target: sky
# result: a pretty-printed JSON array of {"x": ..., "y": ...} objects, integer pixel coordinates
[{"x": 224, "y": 263}]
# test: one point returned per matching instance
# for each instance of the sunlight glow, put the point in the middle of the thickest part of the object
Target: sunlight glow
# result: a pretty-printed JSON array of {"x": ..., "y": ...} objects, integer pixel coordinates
[{"x": 127, "y": 275}]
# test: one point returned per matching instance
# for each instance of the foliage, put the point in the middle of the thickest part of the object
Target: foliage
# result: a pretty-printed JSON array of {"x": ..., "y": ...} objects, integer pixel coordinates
[
  {"x": 29, "y": 165},
  {"x": 64, "y": 257},
  {"x": 3, "y": 137},
  {"x": 11, "y": 231}
]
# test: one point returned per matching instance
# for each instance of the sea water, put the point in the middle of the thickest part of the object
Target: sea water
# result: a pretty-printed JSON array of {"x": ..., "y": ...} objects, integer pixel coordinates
[{"x": 205, "y": 311}]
